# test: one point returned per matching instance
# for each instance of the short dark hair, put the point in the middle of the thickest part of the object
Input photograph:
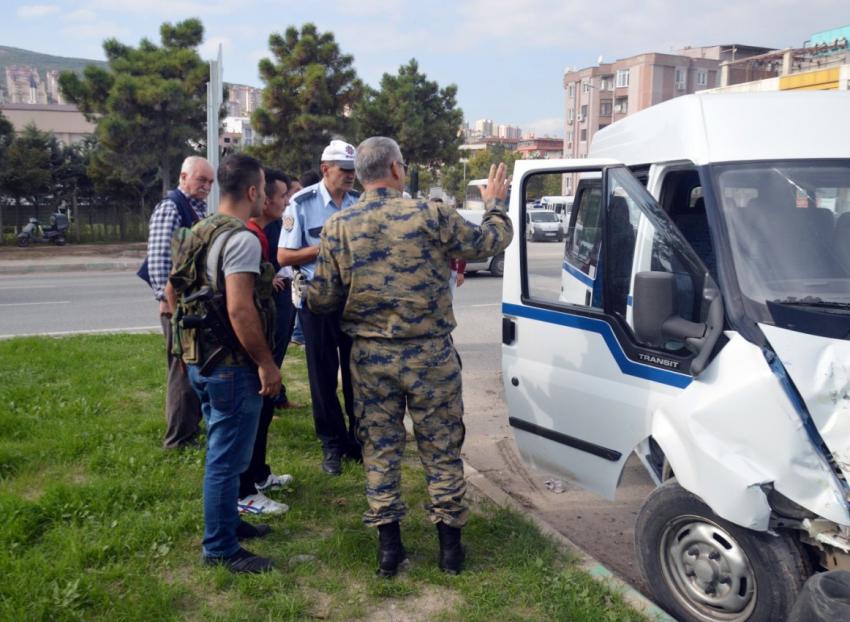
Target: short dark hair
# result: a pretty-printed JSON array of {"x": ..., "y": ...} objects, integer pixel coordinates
[
  {"x": 310, "y": 178},
  {"x": 237, "y": 173},
  {"x": 274, "y": 175}
]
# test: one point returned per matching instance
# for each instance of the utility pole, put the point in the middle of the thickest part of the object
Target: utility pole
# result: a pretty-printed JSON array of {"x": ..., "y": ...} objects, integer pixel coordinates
[{"x": 215, "y": 95}]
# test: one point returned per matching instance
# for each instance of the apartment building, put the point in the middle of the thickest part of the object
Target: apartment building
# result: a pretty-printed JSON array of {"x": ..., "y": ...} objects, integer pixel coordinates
[
  {"x": 242, "y": 99},
  {"x": 598, "y": 96},
  {"x": 508, "y": 131},
  {"x": 484, "y": 128},
  {"x": 545, "y": 148}
]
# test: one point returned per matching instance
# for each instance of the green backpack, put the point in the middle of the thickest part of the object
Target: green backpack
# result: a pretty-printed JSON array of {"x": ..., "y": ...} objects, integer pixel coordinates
[{"x": 201, "y": 326}]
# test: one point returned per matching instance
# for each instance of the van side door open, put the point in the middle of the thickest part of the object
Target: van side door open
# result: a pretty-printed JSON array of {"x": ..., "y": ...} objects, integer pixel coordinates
[{"x": 602, "y": 330}]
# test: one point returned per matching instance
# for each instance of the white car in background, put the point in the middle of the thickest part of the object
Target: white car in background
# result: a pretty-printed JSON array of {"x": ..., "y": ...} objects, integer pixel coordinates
[
  {"x": 543, "y": 224},
  {"x": 494, "y": 265}
]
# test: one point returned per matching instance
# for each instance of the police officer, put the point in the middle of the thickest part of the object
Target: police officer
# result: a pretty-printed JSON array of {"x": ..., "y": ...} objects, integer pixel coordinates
[
  {"x": 226, "y": 345},
  {"x": 386, "y": 262},
  {"x": 326, "y": 346}
]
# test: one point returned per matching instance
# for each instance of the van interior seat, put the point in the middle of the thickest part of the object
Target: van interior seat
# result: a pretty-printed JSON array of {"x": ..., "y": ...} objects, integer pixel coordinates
[
  {"x": 771, "y": 231},
  {"x": 693, "y": 224}
]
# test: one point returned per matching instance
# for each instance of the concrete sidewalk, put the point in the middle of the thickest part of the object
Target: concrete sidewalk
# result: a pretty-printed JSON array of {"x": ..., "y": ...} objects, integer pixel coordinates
[{"x": 71, "y": 258}]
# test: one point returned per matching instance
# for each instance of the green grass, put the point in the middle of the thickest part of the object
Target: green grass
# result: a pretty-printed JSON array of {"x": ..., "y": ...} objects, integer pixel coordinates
[{"x": 100, "y": 523}]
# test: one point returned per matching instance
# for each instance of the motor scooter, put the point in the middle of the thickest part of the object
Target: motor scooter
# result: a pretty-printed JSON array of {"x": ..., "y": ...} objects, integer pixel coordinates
[{"x": 33, "y": 232}]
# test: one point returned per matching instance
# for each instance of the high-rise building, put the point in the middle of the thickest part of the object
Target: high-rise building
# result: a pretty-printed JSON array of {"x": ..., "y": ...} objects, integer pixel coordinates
[
  {"x": 508, "y": 131},
  {"x": 54, "y": 92},
  {"x": 598, "y": 96},
  {"x": 242, "y": 99},
  {"x": 484, "y": 128},
  {"x": 24, "y": 85}
]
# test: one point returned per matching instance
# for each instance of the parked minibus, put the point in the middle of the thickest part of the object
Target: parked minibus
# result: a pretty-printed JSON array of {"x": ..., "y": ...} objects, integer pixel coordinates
[{"x": 699, "y": 318}]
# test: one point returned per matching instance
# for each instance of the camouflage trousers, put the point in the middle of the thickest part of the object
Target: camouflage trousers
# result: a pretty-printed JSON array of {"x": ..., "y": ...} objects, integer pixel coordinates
[{"x": 422, "y": 376}]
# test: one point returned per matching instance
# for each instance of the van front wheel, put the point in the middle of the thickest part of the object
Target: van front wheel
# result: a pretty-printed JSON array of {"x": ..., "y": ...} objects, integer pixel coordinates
[{"x": 702, "y": 568}]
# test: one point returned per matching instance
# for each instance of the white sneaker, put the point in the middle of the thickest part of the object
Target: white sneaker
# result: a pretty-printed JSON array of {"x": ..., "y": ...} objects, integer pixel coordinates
[
  {"x": 261, "y": 504},
  {"x": 275, "y": 481}
]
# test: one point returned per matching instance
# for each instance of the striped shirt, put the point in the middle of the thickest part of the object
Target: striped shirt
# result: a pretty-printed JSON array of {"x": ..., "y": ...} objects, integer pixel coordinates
[{"x": 164, "y": 222}]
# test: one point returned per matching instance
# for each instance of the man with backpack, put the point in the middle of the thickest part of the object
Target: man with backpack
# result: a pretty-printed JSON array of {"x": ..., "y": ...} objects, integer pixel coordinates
[
  {"x": 181, "y": 207},
  {"x": 224, "y": 325}
]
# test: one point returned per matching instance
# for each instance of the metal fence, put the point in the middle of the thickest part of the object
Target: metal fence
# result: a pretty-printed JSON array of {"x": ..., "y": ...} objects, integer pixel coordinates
[{"x": 89, "y": 223}]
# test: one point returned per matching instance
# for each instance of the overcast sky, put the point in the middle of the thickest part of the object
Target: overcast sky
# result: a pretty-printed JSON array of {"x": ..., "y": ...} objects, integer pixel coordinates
[{"x": 507, "y": 57}]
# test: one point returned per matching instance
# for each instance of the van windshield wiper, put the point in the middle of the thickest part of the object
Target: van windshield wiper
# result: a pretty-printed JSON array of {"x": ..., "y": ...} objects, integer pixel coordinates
[{"x": 812, "y": 301}]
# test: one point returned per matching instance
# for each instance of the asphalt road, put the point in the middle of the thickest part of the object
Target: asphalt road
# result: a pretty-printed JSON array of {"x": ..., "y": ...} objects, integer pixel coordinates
[{"x": 61, "y": 303}]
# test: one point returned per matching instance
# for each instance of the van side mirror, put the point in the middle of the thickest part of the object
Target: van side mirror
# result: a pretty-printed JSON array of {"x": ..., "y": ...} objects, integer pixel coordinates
[{"x": 657, "y": 322}]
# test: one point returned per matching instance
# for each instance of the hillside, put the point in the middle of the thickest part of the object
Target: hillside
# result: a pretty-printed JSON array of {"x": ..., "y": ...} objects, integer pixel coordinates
[{"x": 43, "y": 62}]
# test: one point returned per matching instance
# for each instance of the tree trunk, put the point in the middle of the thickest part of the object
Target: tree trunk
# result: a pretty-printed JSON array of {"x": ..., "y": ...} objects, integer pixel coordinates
[{"x": 2, "y": 235}]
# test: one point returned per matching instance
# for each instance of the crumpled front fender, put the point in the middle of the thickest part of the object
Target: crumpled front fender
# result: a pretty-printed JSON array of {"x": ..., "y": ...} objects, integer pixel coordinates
[{"x": 732, "y": 430}]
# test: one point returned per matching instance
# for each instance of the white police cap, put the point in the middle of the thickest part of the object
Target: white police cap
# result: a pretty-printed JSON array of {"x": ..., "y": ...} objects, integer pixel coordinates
[{"x": 340, "y": 153}]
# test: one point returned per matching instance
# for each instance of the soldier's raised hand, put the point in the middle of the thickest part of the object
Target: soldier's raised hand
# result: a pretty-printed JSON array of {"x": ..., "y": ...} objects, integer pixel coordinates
[{"x": 497, "y": 183}]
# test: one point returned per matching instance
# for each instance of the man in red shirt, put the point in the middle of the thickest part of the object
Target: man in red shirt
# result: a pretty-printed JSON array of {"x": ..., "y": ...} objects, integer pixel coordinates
[{"x": 258, "y": 477}]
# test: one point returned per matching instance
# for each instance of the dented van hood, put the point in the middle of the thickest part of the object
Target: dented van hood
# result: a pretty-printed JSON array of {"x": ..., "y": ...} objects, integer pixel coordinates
[{"x": 820, "y": 369}]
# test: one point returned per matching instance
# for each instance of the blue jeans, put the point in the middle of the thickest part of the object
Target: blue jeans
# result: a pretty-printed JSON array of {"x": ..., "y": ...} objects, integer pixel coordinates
[
  {"x": 284, "y": 324},
  {"x": 230, "y": 402}
]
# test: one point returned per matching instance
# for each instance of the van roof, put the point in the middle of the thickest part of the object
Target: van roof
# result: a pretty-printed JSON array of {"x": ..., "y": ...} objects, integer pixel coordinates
[{"x": 727, "y": 127}]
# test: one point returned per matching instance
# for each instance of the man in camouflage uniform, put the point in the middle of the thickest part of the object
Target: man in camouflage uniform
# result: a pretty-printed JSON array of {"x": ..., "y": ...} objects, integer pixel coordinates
[{"x": 385, "y": 262}]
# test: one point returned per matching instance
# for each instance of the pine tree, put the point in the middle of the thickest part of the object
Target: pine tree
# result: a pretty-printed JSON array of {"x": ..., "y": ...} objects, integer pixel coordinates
[{"x": 310, "y": 87}]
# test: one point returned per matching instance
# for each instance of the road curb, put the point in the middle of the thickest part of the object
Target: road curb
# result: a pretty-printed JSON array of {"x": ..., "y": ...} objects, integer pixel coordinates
[
  {"x": 483, "y": 488},
  {"x": 72, "y": 267}
]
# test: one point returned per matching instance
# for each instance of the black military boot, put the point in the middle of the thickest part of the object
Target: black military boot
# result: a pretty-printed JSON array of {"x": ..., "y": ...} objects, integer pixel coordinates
[
  {"x": 390, "y": 549},
  {"x": 451, "y": 550}
]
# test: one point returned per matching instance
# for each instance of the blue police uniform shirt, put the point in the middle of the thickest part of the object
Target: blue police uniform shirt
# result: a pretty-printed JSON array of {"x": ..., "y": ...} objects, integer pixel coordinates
[{"x": 304, "y": 217}]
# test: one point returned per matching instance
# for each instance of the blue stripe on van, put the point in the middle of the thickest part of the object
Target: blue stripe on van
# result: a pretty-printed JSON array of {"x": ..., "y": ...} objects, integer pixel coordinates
[
  {"x": 581, "y": 276},
  {"x": 580, "y": 322}
]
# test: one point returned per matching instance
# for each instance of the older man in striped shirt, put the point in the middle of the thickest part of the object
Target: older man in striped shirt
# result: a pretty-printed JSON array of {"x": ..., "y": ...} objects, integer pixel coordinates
[{"x": 181, "y": 207}]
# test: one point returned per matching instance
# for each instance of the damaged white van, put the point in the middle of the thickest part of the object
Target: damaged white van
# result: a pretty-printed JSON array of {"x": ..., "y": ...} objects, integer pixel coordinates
[{"x": 699, "y": 316}]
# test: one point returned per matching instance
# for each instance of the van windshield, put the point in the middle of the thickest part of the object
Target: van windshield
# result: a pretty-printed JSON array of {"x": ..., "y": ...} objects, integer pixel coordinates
[
  {"x": 543, "y": 216},
  {"x": 789, "y": 230}
]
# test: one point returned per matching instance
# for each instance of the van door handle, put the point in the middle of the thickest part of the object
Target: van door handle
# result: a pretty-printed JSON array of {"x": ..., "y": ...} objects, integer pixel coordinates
[{"x": 508, "y": 331}]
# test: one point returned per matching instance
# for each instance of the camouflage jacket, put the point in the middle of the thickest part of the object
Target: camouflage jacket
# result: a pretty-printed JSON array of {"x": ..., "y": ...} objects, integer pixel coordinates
[{"x": 385, "y": 262}]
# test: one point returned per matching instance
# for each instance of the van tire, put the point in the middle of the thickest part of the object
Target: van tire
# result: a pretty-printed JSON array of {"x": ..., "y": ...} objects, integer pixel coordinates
[
  {"x": 675, "y": 527},
  {"x": 497, "y": 265}
]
